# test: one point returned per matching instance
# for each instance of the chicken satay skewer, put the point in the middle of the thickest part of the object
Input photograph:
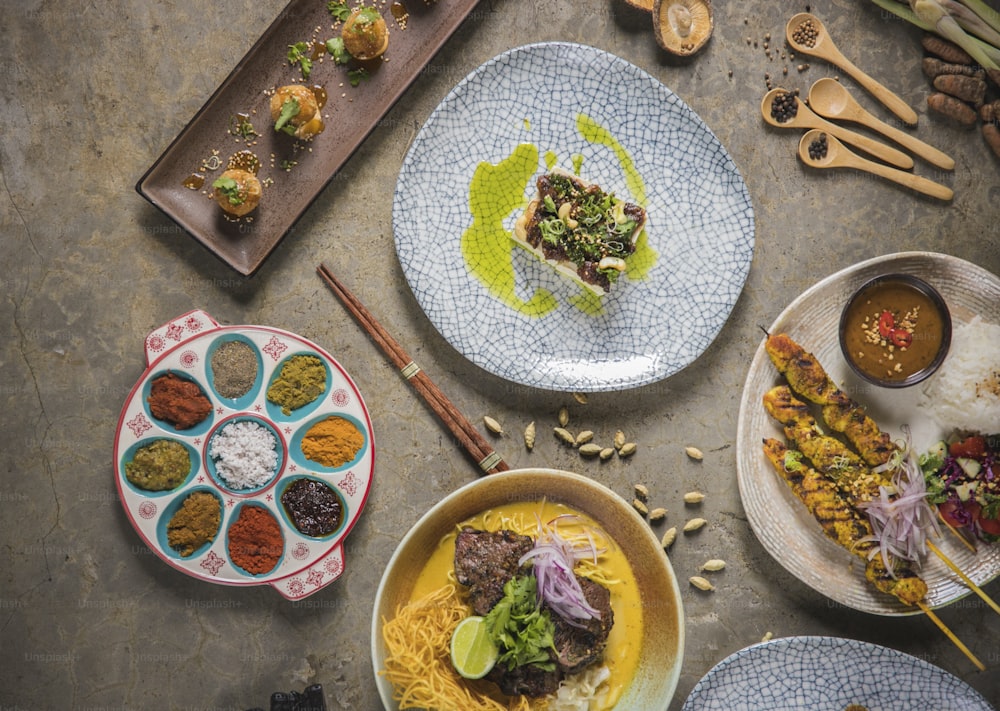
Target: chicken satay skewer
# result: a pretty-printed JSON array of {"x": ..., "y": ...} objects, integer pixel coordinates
[
  {"x": 810, "y": 380},
  {"x": 841, "y": 523}
]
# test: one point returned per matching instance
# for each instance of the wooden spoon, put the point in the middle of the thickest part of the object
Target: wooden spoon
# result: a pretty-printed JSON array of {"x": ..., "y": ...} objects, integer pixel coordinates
[
  {"x": 829, "y": 98},
  {"x": 840, "y": 156},
  {"x": 806, "y": 118},
  {"x": 824, "y": 48}
]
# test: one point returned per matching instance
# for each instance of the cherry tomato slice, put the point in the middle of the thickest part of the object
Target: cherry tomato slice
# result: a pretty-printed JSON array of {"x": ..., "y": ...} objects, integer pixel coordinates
[
  {"x": 886, "y": 322},
  {"x": 990, "y": 526},
  {"x": 960, "y": 515},
  {"x": 900, "y": 338},
  {"x": 970, "y": 448}
]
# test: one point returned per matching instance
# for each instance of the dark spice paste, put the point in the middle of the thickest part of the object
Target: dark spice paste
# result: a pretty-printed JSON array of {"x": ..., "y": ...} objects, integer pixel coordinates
[
  {"x": 313, "y": 506},
  {"x": 180, "y": 402}
]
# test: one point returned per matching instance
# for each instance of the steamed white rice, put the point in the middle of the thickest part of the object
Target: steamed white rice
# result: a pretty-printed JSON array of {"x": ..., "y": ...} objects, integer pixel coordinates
[
  {"x": 244, "y": 454},
  {"x": 965, "y": 393}
]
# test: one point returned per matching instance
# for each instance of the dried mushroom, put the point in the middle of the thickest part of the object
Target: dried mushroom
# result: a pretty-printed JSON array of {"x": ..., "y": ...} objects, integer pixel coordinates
[
  {"x": 646, "y": 5},
  {"x": 682, "y": 27}
]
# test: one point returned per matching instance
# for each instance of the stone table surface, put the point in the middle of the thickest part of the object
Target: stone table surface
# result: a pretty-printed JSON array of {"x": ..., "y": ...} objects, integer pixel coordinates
[{"x": 92, "y": 94}]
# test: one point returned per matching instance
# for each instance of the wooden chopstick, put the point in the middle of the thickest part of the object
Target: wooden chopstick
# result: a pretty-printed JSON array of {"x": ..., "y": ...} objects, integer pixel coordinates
[{"x": 475, "y": 444}]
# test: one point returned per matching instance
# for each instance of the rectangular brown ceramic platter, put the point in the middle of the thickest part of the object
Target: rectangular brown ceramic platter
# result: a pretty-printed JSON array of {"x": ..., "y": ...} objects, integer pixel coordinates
[{"x": 244, "y": 244}]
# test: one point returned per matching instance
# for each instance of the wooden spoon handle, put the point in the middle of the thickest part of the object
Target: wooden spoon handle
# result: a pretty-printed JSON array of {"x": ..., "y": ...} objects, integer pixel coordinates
[
  {"x": 913, "y": 144},
  {"x": 868, "y": 145},
  {"x": 914, "y": 182},
  {"x": 892, "y": 102}
]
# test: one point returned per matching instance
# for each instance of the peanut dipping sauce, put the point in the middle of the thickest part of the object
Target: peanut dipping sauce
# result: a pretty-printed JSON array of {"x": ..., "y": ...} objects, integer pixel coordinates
[{"x": 893, "y": 330}]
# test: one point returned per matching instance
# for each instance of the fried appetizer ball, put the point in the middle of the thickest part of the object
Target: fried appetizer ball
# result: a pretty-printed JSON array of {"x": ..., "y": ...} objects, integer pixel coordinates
[
  {"x": 295, "y": 111},
  {"x": 237, "y": 191},
  {"x": 365, "y": 34}
]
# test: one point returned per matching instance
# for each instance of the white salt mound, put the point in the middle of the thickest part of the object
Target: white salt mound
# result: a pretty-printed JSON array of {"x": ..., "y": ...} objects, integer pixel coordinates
[
  {"x": 244, "y": 454},
  {"x": 965, "y": 392}
]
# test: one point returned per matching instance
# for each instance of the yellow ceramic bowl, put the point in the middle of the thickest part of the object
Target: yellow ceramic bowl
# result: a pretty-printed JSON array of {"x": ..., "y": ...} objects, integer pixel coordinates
[{"x": 662, "y": 649}]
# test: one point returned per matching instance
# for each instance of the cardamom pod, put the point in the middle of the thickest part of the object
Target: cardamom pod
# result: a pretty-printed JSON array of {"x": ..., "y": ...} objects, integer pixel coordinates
[
  {"x": 619, "y": 440},
  {"x": 529, "y": 436},
  {"x": 658, "y": 514},
  {"x": 713, "y": 565},
  {"x": 606, "y": 453},
  {"x": 640, "y": 507},
  {"x": 563, "y": 416},
  {"x": 580, "y": 398},
  {"x": 584, "y": 437},
  {"x": 492, "y": 425},
  {"x": 700, "y": 583},
  {"x": 590, "y": 449},
  {"x": 694, "y": 524},
  {"x": 694, "y": 453},
  {"x": 641, "y": 491},
  {"x": 626, "y": 449},
  {"x": 694, "y": 497},
  {"x": 565, "y": 435},
  {"x": 669, "y": 537}
]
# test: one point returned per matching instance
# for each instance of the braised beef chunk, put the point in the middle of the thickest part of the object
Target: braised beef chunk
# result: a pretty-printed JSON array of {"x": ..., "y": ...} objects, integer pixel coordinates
[
  {"x": 528, "y": 680},
  {"x": 579, "y": 647},
  {"x": 485, "y": 561}
]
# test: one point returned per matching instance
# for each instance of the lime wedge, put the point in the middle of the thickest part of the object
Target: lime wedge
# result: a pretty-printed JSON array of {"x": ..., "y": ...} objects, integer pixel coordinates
[{"x": 473, "y": 653}]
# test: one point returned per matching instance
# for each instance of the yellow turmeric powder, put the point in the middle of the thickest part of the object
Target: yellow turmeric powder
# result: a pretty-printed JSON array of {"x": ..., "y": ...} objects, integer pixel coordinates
[{"x": 332, "y": 442}]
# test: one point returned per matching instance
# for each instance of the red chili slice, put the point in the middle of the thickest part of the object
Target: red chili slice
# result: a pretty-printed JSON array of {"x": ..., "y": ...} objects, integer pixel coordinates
[
  {"x": 900, "y": 338},
  {"x": 886, "y": 322}
]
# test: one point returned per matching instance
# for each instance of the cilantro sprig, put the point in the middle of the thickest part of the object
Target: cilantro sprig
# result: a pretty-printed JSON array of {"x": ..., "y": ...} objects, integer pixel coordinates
[
  {"x": 230, "y": 188},
  {"x": 289, "y": 108},
  {"x": 298, "y": 53},
  {"x": 521, "y": 628}
]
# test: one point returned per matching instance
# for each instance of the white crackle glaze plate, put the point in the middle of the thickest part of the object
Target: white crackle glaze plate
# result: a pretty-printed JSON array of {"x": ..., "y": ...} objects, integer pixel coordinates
[
  {"x": 662, "y": 156},
  {"x": 783, "y": 525},
  {"x": 828, "y": 674},
  {"x": 184, "y": 347}
]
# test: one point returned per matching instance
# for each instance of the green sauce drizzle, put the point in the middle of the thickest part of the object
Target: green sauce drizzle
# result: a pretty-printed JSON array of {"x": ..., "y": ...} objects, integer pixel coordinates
[{"x": 496, "y": 192}]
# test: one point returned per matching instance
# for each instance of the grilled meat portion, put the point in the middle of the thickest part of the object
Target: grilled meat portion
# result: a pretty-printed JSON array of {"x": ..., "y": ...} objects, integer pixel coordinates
[
  {"x": 828, "y": 454},
  {"x": 580, "y": 645},
  {"x": 843, "y": 523},
  {"x": 842, "y": 414},
  {"x": 529, "y": 680},
  {"x": 485, "y": 561}
]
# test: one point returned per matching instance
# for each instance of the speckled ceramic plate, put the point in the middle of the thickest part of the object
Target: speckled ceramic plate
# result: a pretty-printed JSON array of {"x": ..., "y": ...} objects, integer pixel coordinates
[
  {"x": 661, "y": 648},
  {"x": 185, "y": 347},
  {"x": 828, "y": 674},
  {"x": 471, "y": 170},
  {"x": 783, "y": 525}
]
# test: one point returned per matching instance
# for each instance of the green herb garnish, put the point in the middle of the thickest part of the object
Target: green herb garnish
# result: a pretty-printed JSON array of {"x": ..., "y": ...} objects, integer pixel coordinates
[
  {"x": 289, "y": 108},
  {"x": 298, "y": 53},
  {"x": 239, "y": 125},
  {"x": 230, "y": 188},
  {"x": 521, "y": 628},
  {"x": 339, "y": 10},
  {"x": 367, "y": 16},
  {"x": 335, "y": 46},
  {"x": 356, "y": 76}
]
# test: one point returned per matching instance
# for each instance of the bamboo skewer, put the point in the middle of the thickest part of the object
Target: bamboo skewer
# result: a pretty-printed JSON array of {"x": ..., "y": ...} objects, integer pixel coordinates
[
  {"x": 958, "y": 534},
  {"x": 965, "y": 578},
  {"x": 951, "y": 635},
  {"x": 478, "y": 448}
]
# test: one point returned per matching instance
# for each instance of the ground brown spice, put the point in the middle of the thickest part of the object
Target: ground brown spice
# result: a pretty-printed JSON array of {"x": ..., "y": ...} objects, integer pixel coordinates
[
  {"x": 194, "y": 524},
  {"x": 255, "y": 540},
  {"x": 178, "y": 401}
]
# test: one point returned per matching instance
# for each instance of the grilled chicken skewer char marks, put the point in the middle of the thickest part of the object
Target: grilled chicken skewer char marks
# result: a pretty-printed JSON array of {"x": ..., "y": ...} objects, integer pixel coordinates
[
  {"x": 842, "y": 523},
  {"x": 842, "y": 414},
  {"x": 827, "y": 454}
]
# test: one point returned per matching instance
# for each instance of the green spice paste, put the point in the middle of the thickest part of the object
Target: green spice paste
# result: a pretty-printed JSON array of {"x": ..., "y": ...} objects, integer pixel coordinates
[
  {"x": 161, "y": 465},
  {"x": 498, "y": 190},
  {"x": 302, "y": 379}
]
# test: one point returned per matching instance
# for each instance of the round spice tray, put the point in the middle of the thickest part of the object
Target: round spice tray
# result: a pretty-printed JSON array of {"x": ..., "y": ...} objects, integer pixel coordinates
[{"x": 213, "y": 452}]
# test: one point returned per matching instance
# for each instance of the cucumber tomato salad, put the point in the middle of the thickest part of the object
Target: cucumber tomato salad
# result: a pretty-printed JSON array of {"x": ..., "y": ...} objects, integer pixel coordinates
[{"x": 963, "y": 480}]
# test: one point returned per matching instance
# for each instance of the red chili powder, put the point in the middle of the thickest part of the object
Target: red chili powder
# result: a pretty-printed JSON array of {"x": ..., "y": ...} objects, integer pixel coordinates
[{"x": 255, "y": 540}]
